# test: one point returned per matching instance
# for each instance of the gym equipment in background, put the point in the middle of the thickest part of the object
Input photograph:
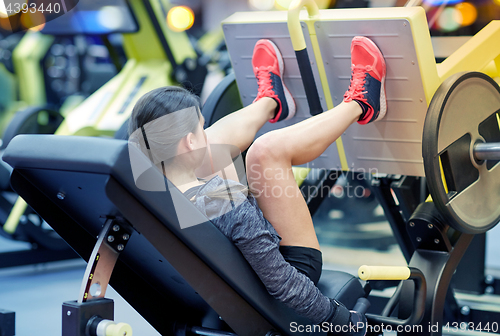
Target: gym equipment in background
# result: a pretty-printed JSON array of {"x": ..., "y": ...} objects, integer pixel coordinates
[
  {"x": 156, "y": 56},
  {"x": 8, "y": 95},
  {"x": 7, "y": 322}
]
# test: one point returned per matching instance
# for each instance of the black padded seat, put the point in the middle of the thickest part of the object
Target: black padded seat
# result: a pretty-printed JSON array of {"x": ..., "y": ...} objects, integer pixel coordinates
[
  {"x": 169, "y": 275},
  {"x": 341, "y": 286}
]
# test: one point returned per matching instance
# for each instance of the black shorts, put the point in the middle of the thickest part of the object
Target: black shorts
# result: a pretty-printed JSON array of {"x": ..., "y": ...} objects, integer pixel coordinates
[{"x": 306, "y": 260}]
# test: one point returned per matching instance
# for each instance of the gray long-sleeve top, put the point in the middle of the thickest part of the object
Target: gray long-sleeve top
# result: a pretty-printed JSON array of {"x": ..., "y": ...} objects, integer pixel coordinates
[{"x": 240, "y": 219}]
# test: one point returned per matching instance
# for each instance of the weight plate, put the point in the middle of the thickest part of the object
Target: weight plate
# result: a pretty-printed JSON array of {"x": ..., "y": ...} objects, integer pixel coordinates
[{"x": 465, "y": 191}]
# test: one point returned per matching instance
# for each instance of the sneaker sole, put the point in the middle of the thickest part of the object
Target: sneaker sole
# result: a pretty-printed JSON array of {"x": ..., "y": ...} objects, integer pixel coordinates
[{"x": 288, "y": 96}]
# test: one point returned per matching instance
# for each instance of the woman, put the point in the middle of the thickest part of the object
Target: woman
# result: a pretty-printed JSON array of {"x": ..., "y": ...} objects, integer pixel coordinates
[{"x": 274, "y": 233}]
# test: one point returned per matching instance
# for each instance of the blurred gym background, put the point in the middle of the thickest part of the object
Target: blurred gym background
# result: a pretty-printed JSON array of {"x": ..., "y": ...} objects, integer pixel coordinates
[{"x": 351, "y": 224}]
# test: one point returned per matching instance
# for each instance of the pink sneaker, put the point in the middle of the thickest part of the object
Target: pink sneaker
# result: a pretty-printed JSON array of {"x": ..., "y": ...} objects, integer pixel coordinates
[
  {"x": 267, "y": 65},
  {"x": 367, "y": 86}
]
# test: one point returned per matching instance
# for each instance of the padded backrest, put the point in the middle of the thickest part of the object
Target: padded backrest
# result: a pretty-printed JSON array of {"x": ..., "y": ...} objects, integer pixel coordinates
[{"x": 95, "y": 179}]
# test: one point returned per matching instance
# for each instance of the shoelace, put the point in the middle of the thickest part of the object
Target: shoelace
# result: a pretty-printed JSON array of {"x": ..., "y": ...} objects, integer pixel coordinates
[
  {"x": 264, "y": 82},
  {"x": 357, "y": 82}
]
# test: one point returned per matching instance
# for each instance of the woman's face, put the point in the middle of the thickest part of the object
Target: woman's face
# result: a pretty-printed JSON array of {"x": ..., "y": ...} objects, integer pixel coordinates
[
  {"x": 200, "y": 137},
  {"x": 193, "y": 147}
]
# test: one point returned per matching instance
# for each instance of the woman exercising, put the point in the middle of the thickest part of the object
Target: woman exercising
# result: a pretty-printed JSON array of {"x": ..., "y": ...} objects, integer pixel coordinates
[{"x": 275, "y": 234}]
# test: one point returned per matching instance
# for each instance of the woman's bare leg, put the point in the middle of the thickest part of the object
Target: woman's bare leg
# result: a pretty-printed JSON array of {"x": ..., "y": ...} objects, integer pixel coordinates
[
  {"x": 235, "y": 130},
  {"x": 270, "y": 158},
  {"x": 239, "y": 128},
  {"x": 269, "y": 170}
]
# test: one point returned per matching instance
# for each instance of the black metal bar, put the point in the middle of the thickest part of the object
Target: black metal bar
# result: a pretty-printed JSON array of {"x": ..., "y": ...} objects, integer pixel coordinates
[
  {"x": 319, "y": 189},
  {"x": 308, "y": 81},
  {"x": 113, "y": 55},
  {"x": 382, "y": 190},
  {"x": 160, "y": 35},
  {"x": 419, "y": 299},
  {"x": 407, "y": 191},
  {"x": 469, "y": 276},
  {"x": 438, "y": 268}
]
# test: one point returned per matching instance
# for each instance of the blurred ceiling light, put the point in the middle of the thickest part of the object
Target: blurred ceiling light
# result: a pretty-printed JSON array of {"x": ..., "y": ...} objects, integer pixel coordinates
[
  {"x": 33, "y": 21},
  {"x": 262, "y": 5},
  {"x": 447, "y": 21},
  {"x": 180, "y": 18},
  {"x": 110, "y": 17},
  {"x": 467, "y": 13},
  {"x": 441, "y": 2}
]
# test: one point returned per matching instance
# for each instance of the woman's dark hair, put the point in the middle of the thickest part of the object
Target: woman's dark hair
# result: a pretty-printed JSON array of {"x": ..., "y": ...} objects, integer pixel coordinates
[
  {"x": 160, "y": 119},
  {"x": 162, "y": 128},
  {"x": 160, "y": 102}
]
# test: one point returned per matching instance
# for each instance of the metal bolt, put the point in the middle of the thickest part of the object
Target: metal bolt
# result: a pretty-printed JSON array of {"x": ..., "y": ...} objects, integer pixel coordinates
[
  {"x": 120, "y": 247},
  {"x": 430, "y": 226},
  {"x": 23, "y": 219},
  {"x": 436, "y": 241},
  {"x": 61, "y": 195},
  {"x": 126, "y": 236},
  {"x": 111, "y": 239},
  {"x": 421, "y": 100},
  {"x": 412, "y": 224},
  {"x": 116, "y": 227},
  {"x": 68, "y": 313},
  {"x": 419, "y": 239},
  {"x": 412, "y": 62},
  {"x": 489, "y": 279},
  {"x": 404, "y": 24},
  {"x": 489, "y": 290},
  {"x": 465, "y": 310}
]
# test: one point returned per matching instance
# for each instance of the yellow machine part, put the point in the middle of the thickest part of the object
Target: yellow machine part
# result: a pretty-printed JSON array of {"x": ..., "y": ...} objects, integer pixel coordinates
[{"x": 384, "y": 272}]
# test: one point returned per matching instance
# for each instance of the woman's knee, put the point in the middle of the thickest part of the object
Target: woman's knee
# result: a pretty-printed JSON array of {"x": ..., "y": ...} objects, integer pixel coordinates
[{"x": 266, "y": 149}]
